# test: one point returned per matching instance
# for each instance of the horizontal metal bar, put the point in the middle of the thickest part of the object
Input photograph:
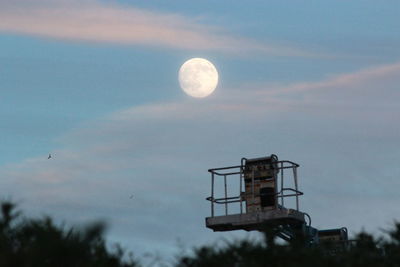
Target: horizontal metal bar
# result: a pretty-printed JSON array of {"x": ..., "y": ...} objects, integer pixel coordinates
[
  {"x": 279, "y": 194},
  {"x": 215, "y": 170},
  {"x": 226, "y": 198},
  {"x": 228, "y": 173},
  {"x": 224, "y": 168},
  {"x": 288, "y": 161},
  {"x": 291, "y": 195},
  {"x": 272, "y": 163},
  {"x": 226, "y": 201},
  {"x": 286, "y": 167},
  {"x": 239, "y": 172},
  {"x": 290, "y": 189},
  {"x": 222, "y": 198}
]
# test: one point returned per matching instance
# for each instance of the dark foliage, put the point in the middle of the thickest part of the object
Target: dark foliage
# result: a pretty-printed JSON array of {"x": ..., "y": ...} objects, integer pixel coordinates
[
  {"x": 365, "y": 250},
  {"x": 39, "y": 242}
]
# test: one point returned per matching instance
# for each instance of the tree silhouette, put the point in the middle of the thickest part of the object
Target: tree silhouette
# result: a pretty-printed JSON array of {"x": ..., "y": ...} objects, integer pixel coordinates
[
  {"x": 365, "y": 250},
  {"x": 39, "y": 242}
]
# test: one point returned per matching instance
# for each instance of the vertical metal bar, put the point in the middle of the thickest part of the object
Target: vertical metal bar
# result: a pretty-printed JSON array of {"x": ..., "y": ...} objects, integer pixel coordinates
[
  {"x": 240, "y": 190},
  {"x": 282, "y": 201},
  {"x": 295, "y": 185},
  {"x": 226, "y": 203},
  {"x": 252, "y": 187},
  {"x": 276, "y": 186},
  {"x": 212, "y": 194},
  {"x": 242, "y": 168}
]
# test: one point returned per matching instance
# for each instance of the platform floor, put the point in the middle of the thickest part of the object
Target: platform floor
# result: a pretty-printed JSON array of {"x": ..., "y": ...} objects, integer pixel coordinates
[{"x": 255, "y": 221}]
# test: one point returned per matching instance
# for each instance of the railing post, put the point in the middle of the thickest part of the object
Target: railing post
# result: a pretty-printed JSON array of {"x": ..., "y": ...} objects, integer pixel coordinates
[
  {"x": 212, "y": 194},
  {"x": 240, "y": 191},
  {"x": 252, "y": 187},
  {"x": 295, "y": 185},
  {"x": 282, "y": 198},
  {"x": 226, "y": 195}
]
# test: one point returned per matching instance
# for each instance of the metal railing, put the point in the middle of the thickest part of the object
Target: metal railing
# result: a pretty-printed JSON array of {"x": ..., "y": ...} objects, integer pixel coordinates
[{"x": 238, "y": 172}]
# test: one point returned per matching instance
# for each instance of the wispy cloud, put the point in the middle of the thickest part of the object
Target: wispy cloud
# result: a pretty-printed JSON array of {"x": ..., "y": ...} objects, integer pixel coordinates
[
  {"x": 95, "y": 21},
  {"x": 344, "y": 80}
]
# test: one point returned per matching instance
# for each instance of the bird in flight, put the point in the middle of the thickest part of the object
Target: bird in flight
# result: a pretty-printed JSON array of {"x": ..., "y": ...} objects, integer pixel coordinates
[
  {"x": 49, "y": 157},
  {"x": 131, "y": 197}
]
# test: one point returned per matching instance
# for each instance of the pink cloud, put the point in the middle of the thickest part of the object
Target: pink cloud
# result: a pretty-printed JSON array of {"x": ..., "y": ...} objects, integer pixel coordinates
[
  {"x": 343, "y": 80},
  {"x": 93, "y": 21}
]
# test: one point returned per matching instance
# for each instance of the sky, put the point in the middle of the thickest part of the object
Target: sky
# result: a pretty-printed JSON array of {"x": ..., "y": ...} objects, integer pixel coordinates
[{"x": 95, "y": 83}]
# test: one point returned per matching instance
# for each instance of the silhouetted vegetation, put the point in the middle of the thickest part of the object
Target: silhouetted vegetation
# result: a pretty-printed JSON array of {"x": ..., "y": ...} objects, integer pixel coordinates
[
  {"x": 363, "y": 251},
  {"x": 39, "y": 242}
]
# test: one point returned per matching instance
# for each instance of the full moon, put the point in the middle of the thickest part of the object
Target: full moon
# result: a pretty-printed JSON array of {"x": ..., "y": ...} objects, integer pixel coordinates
[{"x": 198, "y": 77}]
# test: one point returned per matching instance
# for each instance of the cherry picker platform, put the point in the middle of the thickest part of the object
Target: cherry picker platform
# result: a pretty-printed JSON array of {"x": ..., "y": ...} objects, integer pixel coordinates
[{"x": 262, "y": 194}]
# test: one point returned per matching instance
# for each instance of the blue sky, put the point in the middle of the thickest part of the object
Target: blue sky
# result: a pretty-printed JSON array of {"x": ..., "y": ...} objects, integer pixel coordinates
[{"x": 95, "y": 84}]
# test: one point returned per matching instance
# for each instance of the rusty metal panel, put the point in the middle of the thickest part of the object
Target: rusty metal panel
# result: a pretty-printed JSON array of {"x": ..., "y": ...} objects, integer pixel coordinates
[{"x": 259, "y": 175}]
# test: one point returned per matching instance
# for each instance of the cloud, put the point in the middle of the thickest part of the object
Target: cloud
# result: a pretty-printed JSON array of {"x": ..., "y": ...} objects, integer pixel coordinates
[
  {"x": 95, "y": 21},
  {"x": 369, "y": 92},
  {"x": 342, "y": 80},
  {"x": 160, "y": 153}
]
